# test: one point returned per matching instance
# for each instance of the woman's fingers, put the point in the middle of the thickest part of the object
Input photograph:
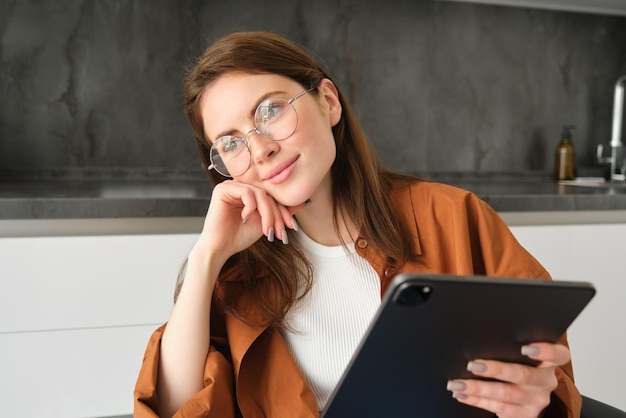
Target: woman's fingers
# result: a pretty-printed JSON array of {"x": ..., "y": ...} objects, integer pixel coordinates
[
  {"x": 526, "y": 407},
  {"x": 517, "y": 374},
  {"x": 502, "y": 399},
  {"x": 548, "y": 354},
  {"x": 513, "y": 390},
  {"x": 249, "y": 204},
  {"x": 258, "y": 209},
  {"x": 267, "y": 211}
]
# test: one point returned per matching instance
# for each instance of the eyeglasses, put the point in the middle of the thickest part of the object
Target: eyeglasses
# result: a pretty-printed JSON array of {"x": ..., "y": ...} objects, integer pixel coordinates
[{"x": 275, "y": 118}]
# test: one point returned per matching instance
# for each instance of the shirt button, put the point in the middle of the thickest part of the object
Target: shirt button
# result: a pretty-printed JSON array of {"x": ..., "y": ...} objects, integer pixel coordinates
[{"x": 361, "y": 243}]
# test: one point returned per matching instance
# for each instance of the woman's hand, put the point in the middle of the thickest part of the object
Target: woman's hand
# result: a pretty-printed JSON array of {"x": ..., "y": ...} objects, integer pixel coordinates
[
  {"x": 240, "y": 214},
  {"x": 521, "y": 391}
]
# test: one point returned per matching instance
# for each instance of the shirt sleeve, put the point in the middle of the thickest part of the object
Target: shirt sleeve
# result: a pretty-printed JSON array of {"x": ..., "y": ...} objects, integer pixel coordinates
[{"x": 216, "y": 399}]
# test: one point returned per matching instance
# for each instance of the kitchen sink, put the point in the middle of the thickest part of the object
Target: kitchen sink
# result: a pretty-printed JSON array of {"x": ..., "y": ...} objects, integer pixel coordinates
[{"x": 598, "y": 184}]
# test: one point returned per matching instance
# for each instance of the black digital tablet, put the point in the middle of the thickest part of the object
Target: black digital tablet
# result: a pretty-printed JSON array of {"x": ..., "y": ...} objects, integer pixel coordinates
[{"x": 429, "y": 326}]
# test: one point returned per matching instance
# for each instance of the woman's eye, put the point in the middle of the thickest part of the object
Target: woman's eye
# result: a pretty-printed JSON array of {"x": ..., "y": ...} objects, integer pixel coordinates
[
  {"x": 230, "y": 145},
  {"x": 270, "y": 110}
]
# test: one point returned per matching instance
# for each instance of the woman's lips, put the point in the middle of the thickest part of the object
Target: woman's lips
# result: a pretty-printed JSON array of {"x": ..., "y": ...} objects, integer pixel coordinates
[{"x": 281, "y": 172}]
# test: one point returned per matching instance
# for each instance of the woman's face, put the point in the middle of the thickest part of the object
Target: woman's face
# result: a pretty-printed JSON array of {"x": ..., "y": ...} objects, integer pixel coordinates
[{"x": 292, "y": 170}]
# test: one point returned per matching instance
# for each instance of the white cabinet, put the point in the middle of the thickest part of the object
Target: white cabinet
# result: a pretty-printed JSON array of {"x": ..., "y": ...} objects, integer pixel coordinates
[
  {"x": 75, "y": 317},
  {"x": 594, "y": 253},
  {"x": 608, "y": 7}
]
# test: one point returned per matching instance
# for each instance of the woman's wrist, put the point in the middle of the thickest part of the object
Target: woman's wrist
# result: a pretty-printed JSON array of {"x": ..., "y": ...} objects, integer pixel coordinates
[{"x": 205, "y": 261}]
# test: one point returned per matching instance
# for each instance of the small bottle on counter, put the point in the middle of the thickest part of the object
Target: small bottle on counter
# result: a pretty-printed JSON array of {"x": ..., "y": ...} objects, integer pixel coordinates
[{"x": 565, "y": 157}]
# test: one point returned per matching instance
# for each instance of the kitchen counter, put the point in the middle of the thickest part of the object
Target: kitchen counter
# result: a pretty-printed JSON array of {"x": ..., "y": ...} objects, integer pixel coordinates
[
  {"x": 541, "y": 193},
  {"x": 97, "y": 196},
  {"x": 103, "y": 198},
  {"x": 102, "y": 193}
]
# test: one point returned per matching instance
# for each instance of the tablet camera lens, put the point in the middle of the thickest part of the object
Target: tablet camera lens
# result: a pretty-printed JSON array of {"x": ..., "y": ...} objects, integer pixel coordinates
[{"x": 413, "y": 295}]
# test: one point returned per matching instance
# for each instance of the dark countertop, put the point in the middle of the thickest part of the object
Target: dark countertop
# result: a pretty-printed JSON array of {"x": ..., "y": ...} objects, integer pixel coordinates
[
  {"x": 102, "y": 193},
  {"x": 124, "y": 196},
  {"x": 536, "y": 195},
  {"x": 66, "y": 199}
]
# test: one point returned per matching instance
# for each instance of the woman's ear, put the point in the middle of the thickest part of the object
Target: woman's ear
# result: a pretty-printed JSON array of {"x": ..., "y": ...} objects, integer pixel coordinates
[{"x": 330, "y": 96}]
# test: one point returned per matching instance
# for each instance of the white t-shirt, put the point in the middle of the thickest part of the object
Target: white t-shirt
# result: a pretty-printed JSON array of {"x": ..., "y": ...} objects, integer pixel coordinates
[{"x": 329, "y": 322}]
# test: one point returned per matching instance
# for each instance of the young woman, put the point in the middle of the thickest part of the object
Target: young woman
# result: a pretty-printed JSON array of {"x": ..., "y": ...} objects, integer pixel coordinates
[{"x": 303, "y": 234}]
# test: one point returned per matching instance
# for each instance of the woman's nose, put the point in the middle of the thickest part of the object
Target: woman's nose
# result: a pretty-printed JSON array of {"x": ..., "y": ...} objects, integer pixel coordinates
[{"x": 261, "y": 146}]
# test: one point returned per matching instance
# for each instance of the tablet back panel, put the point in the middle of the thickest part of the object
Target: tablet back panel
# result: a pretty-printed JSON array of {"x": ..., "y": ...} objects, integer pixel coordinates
[{"x": 429, "y": 326}]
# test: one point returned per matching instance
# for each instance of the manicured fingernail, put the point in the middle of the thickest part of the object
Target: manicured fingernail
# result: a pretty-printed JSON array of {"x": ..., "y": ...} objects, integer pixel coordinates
[
  {"x": 285, "y": 237},
  {"x": 459, "y": 396},
  {"x": 530, "y": 350},
  {"x": 295, "y": 225},
  {"x": 270, "y": 234},
  {"x": 245, "y": 220},
  {"x": 456, "y": 385},
  {"x": 476, "y": 367}
]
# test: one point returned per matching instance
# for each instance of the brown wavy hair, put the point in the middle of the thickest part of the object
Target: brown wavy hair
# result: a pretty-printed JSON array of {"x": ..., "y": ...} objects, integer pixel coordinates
[{"x": 268, "y": 273}]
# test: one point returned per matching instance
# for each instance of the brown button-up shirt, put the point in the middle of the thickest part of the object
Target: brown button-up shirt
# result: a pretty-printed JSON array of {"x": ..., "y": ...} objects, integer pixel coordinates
[{"x": 250, "y": 372}]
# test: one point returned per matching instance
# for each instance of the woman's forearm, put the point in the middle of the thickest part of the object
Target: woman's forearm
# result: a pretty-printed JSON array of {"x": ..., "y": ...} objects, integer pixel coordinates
[{"x": 186, "y": 339}]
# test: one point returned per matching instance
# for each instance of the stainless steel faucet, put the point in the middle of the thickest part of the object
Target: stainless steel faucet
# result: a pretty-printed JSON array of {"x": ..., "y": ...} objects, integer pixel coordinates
[{"x": 618, "y": 151}]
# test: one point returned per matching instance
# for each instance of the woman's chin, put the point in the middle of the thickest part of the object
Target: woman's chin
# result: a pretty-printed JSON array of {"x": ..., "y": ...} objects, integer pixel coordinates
[
  {"x": 293, "y": 200},
  {"x": 291, "y": 203}
]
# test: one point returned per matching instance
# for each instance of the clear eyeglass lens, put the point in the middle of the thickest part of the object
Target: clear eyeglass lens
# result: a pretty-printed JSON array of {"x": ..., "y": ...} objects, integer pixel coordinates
[
  {"x": 230, "y": 156},
  {"x": 276, "y": 118}
]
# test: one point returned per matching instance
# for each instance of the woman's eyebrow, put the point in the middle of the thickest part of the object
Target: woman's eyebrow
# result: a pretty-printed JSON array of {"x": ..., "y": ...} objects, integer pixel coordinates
[{"x": 252, "y": 110}]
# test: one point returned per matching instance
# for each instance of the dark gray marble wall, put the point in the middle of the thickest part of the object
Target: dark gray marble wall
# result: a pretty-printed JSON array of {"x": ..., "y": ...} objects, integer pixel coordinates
[{"x": 439, "y": 86}]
